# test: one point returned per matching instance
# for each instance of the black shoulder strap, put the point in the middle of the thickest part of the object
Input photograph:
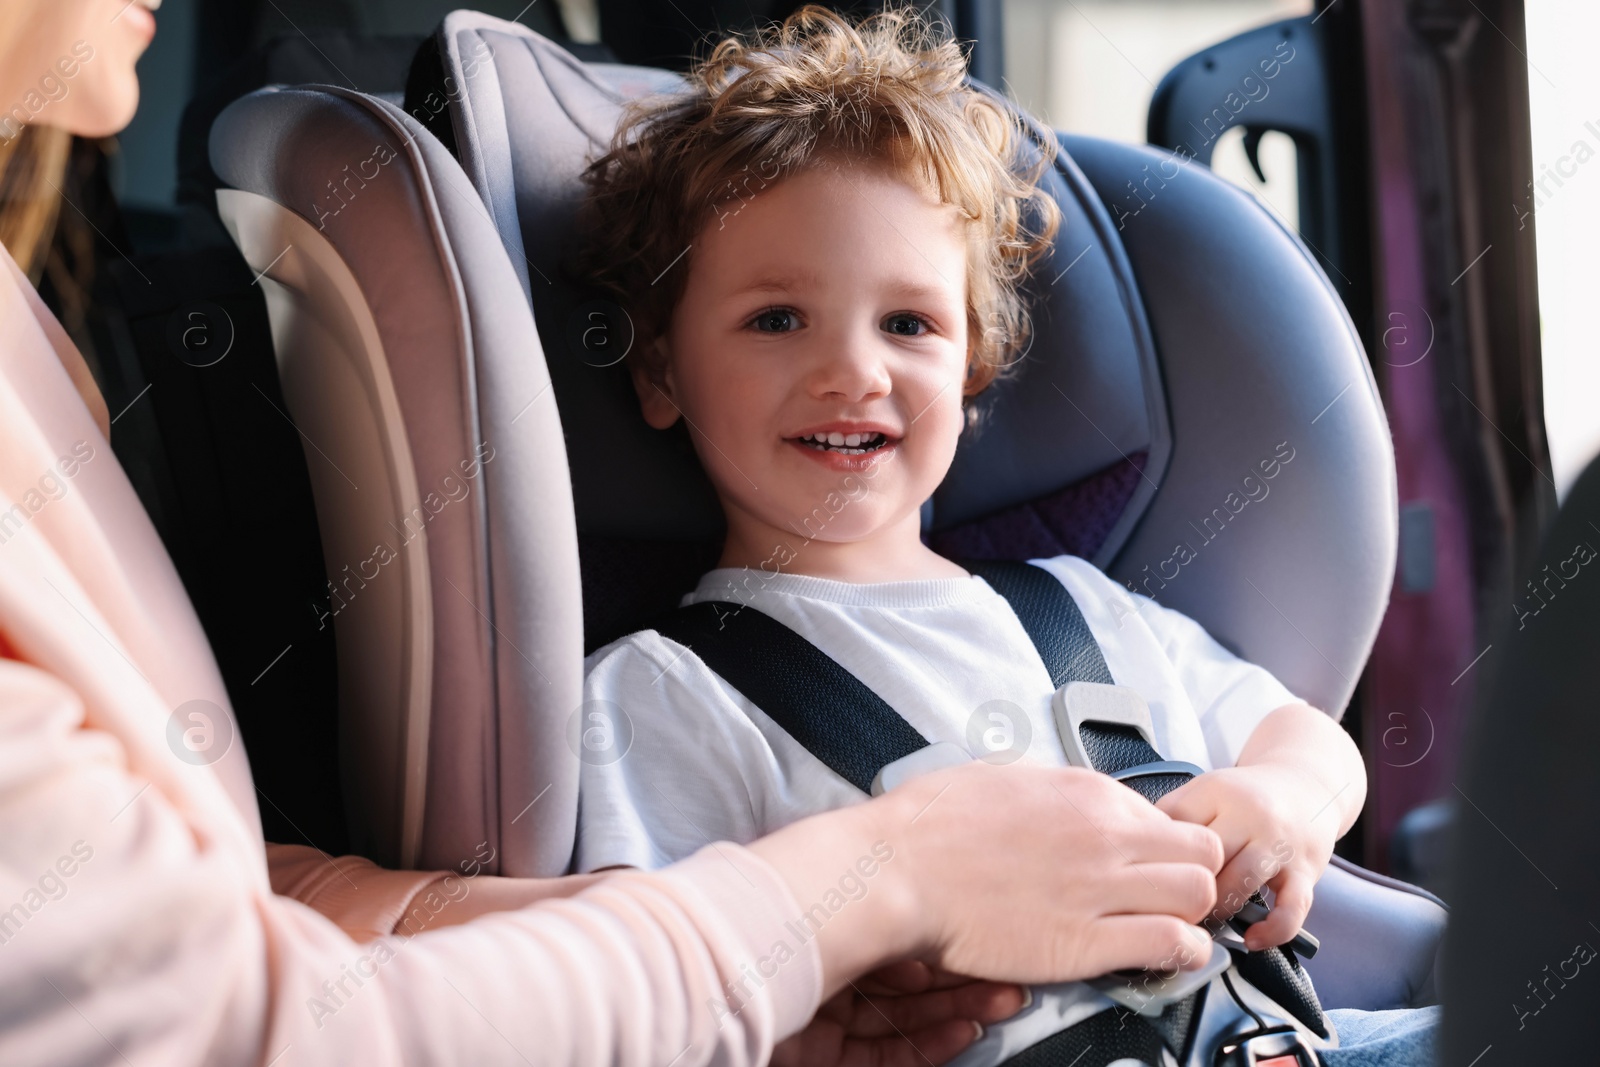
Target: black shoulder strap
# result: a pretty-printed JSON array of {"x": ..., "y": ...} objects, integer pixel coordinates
[
  {"x": 817, "y": 702},
  {"x": 1050, "y": 615},
  {"x": 830, "y": 711}
]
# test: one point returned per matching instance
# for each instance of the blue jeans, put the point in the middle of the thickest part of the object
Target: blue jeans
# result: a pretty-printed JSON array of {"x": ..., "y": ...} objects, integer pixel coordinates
[{"x": 1402, "y": 1037}]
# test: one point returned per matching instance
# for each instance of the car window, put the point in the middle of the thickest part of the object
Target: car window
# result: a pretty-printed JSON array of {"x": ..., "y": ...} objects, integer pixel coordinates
[
  {"x": 1092, "y": 66},
  {"x": 1563, "y": 206}
]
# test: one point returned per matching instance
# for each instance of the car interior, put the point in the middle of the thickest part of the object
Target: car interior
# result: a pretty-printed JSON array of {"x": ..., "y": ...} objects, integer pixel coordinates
[{"x": 394, "y": 452}]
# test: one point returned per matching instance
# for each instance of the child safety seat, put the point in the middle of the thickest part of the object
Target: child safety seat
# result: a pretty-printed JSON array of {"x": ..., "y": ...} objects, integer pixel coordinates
[{"x": 514, "y": 511}]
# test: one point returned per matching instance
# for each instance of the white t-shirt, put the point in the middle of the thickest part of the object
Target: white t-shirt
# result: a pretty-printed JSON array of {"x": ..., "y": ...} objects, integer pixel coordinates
[
  {"x": 704, "y": 764},
  {"x": 683, "y": 759}
]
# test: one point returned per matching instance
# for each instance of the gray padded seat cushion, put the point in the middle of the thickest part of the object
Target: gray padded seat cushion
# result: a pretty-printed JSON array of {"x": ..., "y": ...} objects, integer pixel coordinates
[
  {"x": 1380, "y": 940},
  {"x": 460, "y": 345},
  {"x": 1256, "y": 351}
]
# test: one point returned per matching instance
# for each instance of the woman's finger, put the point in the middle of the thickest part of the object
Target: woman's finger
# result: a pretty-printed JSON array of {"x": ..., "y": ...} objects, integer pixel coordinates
[
  {"x": 1138, "y": 942},
  {"x": 939, "y": 978},
  {"x": 1205, "y": 804},
  {"x": 906, "y": 976},
  {"x": 933, "y": 1045},
  {"x": 918, "y": 1048},
  {"x": 1185, "y": 890},
  {"x": 1154, "y": 838},
  {"x": 827, "y": 1042}
]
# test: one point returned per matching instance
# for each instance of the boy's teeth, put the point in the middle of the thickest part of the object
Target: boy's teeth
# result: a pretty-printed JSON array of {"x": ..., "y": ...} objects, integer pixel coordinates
[{"x": 853, "y": 442}]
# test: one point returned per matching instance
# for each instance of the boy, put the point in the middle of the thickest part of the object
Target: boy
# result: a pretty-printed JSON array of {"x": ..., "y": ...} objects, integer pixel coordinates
[{"x": 812, "y": 240}]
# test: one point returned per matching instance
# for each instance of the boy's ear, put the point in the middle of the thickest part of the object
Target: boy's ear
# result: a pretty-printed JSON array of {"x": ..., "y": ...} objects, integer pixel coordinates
[{"x": 652, "y": 380}]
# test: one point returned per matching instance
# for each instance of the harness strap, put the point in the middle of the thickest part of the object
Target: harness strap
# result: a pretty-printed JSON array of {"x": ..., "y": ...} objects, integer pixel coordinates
[
  {"x": 1054, "y": 622},
  {"x": 830, "y": 711}
]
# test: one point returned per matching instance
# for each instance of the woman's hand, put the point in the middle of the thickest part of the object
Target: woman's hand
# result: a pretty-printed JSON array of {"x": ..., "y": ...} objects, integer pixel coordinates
[
  {"x": 1019, "y": 874},
  {"x": 905, "y": 1014},
  {"x": 1297, "y": 788}
]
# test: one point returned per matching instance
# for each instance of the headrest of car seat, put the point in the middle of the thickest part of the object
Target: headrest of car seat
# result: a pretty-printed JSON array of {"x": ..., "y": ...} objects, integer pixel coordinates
[
  {"x": 410, "y": 365},
  {"x": 1189, "y": 360}
]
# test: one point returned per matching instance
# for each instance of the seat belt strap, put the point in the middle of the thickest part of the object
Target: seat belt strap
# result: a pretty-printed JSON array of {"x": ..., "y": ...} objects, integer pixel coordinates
[
  {"x": 819, "y": 703},
  {"x": 1048, "y": 611},
  {"x": 1054, "y": 622},
  {"x": 847, "y": 726}
]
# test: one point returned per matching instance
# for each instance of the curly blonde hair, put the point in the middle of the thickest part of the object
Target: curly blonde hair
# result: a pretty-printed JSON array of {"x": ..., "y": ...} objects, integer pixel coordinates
[{"x": 888, "y": 89}]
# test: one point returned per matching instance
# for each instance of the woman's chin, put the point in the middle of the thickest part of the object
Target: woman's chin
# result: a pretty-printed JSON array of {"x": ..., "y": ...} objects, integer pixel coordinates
[{"x": 107, "y": 115}]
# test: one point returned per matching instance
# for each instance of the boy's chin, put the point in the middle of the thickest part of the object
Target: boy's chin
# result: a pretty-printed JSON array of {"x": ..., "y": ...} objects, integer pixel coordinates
[{"x": 832, "y": 528}]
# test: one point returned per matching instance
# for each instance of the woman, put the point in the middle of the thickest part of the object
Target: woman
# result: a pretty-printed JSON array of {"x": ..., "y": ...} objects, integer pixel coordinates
[{"x": 142, "y": 917}]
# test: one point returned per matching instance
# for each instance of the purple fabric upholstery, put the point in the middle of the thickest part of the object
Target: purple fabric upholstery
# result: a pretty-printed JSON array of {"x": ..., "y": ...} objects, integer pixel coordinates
[{"x": 1074, "y": 520}]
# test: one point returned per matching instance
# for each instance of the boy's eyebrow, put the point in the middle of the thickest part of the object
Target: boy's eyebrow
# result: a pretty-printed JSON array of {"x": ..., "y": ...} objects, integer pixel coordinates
[
  {"x": 772, "y": 283},
  {"x": 777, "y": 283}
]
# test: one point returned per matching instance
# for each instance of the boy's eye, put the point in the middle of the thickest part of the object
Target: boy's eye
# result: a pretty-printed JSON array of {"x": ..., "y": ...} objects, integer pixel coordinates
[
  {"x": 905, "y": 324},
  {"x": 775, "y": 320}
]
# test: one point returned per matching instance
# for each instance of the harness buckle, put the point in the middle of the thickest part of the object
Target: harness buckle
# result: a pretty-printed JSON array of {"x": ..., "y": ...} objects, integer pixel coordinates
[{"x": 1277, "y": 1047}]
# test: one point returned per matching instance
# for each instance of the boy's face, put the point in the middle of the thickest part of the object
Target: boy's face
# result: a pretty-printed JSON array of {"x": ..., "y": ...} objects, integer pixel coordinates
[{"x": 833, "y": 303}]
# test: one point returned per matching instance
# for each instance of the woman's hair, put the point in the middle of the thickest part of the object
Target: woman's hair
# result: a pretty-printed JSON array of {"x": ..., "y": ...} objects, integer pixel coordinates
[
  {"x": 890, "y": 90},
  {"x": 40, "y": 166},
  {"x": 33, "y": 165}
]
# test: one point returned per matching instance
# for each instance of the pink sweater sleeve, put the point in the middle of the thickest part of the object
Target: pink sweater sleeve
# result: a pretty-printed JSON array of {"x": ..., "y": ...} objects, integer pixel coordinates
[
  {"x": 138, "y": 919},
  {"x": 126, "y": 934}
]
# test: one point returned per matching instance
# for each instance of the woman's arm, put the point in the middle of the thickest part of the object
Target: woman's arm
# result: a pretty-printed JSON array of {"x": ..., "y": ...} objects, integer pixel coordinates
[
  {"x": 367, "y": 902},
  {"x": 131, "y": 929}
]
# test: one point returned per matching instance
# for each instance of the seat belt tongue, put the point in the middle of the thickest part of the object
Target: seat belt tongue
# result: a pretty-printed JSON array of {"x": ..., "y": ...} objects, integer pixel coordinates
[
  {"x": 936, "y": 757},
  {"x": 1076, "y": 703},
  {"x": 1305, "y": 945}
]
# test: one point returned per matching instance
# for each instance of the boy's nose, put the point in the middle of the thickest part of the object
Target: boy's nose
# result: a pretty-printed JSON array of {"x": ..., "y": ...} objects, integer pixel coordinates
[{"x": 851, "y": 366}]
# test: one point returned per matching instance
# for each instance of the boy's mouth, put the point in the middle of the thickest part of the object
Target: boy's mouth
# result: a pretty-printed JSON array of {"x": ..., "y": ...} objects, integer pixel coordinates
[{"x": 848, "y": 444}]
